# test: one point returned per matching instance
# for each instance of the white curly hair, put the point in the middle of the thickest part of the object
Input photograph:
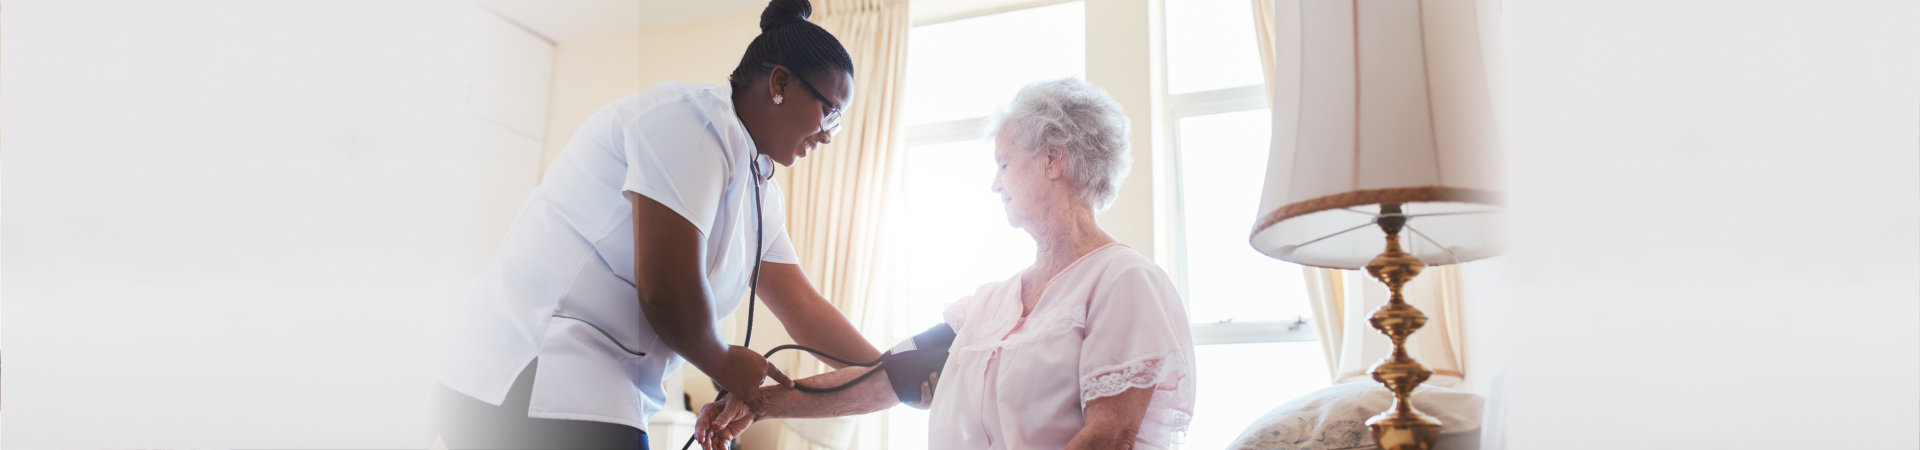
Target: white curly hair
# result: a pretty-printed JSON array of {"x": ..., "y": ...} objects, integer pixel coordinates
[{"x": 1084, "y": 122}]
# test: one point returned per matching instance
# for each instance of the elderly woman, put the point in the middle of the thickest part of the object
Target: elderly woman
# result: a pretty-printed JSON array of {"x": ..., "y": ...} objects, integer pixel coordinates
[{"x": 1087, "y": 348}]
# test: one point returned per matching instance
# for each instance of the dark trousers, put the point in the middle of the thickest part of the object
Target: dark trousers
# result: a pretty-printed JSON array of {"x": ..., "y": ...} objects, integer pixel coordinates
[{"x": 467, "y": 423}]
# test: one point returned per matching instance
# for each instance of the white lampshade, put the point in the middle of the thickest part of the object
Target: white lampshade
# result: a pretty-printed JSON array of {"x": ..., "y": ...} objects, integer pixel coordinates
[{"x": 1379, "y": 102}]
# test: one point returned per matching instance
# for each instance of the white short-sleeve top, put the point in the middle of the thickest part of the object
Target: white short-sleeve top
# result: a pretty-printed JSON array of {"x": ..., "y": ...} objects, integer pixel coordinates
[
  {"x": 560, "y": 286},
  {"x": 1109, "y": 322}
]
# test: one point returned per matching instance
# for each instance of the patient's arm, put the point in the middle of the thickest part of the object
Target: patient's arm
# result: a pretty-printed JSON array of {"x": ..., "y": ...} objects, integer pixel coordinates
[
  {"x": 1113, "y": 422},
  {"x": 871, "y": 394}
]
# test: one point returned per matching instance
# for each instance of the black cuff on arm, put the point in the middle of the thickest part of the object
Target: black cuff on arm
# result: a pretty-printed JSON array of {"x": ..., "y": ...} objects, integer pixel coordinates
[{"x": 913, "y": 361}]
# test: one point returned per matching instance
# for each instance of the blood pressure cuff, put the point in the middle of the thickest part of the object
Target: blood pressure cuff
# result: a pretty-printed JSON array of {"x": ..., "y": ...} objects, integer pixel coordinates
[{"x": 917, "y": 359}]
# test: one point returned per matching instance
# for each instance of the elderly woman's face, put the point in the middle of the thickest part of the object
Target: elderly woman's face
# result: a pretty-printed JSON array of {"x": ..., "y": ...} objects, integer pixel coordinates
[{"x": 1022, "y": 180}]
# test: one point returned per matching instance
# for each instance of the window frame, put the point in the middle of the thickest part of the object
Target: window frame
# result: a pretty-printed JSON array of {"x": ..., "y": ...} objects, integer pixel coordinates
[{"x": 1202, "y": 103}]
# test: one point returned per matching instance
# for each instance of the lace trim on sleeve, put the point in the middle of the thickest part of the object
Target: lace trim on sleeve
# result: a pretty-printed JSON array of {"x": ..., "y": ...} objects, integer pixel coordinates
[{"x": 1141, "y": 373}]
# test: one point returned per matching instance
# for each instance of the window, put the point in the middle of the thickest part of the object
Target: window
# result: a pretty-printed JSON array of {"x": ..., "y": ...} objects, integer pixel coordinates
[
  {"x": 1255, "y": 345},
  {"x": 1256, "y": 348},
  {"x": 949, "y": 230},
  {"x": 1211, "y": 45}
]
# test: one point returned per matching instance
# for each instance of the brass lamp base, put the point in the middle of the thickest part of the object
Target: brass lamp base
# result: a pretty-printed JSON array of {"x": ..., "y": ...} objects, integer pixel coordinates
[
  {"x": 1397, "y": 432},
  {"x": 1403, "y": 427}
]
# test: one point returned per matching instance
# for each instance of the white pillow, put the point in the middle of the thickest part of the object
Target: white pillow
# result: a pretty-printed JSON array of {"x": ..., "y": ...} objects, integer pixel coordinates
[{"x": 1335, "y": 418}]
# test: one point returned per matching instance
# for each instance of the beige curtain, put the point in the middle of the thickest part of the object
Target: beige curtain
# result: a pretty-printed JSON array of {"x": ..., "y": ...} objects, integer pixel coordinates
[
  {"x": 1263, "y": 28},
  {"x": 1342, "y": 300},
  {"x": 1326, "y": 293},
  {"x": 836, "y": 197}
]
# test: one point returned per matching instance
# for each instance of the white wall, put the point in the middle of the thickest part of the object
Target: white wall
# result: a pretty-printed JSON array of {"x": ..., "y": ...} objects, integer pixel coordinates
[
  {"x": 1122, "y": 57},
  {"x": 1713, "y": 227},
  {"x": 232, "y": 223},
  {"x": 591, "y": 73}
]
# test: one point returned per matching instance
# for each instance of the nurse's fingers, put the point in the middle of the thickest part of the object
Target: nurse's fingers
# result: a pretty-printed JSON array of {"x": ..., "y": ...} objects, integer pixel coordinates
[{"x": 778, "y": 377}]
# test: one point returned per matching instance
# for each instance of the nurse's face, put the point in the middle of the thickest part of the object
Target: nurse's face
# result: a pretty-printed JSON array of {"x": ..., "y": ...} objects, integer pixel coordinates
[
  {"x": 1025, "y": 181},
  {"x": 809, "y": 114}
]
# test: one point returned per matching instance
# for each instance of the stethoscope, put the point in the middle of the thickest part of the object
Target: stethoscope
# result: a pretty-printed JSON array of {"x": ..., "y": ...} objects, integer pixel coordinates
[{"x": 753, "y": 292}]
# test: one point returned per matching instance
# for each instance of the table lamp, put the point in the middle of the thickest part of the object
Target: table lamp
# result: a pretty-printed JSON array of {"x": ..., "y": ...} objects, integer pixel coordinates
[{"x": 1383, "y": 134}]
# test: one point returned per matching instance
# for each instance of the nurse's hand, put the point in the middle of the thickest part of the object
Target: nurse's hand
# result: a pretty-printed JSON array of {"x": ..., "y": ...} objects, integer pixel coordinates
[{"x": 744, "y": 371}]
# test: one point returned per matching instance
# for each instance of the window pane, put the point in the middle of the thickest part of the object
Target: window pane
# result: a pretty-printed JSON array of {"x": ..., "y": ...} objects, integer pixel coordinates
[
  {"x": 1211, "y": 45},
  {"x": 1222, "y": 164},
  {"x": 968, "y": 67},
  {"x": 956, "y": 229},
  {"x": 1240, "y": 382},
  {"x": 958, "y": 239}
]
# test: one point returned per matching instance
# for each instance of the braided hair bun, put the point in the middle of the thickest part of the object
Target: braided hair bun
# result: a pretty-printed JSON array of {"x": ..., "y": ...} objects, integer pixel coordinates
[
  {"x": 780, "y": 13},
  {"x": 788, "y": 39}
]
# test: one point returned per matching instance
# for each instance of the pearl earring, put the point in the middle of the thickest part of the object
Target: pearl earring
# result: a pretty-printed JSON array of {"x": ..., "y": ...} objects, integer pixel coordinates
[{"x": 777, "y": 99}]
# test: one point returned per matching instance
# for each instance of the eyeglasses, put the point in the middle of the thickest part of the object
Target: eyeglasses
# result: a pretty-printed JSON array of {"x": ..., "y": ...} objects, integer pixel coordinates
[{"x": 830, "y": 120}]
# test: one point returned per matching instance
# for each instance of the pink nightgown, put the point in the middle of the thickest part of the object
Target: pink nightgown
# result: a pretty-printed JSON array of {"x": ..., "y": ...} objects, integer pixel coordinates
[{"x": 1109, "y": 322}]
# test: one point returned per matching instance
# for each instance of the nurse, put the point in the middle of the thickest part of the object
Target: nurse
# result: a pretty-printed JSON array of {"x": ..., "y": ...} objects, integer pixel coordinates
[{"x": 650, "y": 225}]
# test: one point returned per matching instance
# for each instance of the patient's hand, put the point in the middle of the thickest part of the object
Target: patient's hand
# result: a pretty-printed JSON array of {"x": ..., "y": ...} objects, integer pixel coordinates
[
  {"x": 721, "y": 421},
  {"x": 926, "y": 392}
]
